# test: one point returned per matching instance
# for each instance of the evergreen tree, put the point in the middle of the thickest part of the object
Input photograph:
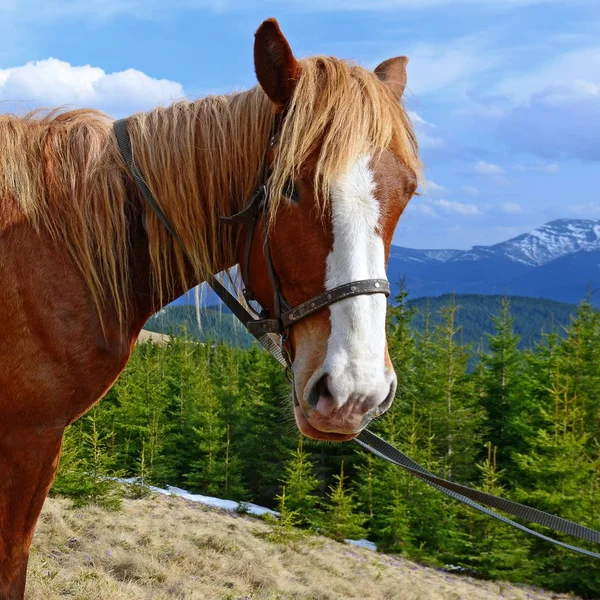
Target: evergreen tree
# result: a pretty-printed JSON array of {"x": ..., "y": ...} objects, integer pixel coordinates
[
  {"x": 284, "y": 528},
  {"x": 265, "y": 416},
  {"x": 580, "y": 361},
  {"x": 492, "y": 548},
  {"x": 562, "y": 470},
  {"x": 86, "y": 473},
  {"x": 499, "y": 385},
  {"x": 301, "y": 483},
  {"x": 341, "y": 519},
  {"x": 217, "y": 471}
]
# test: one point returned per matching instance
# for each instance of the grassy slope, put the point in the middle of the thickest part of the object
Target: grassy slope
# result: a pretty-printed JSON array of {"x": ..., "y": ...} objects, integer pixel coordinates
[{"x": 169, "y": 548}]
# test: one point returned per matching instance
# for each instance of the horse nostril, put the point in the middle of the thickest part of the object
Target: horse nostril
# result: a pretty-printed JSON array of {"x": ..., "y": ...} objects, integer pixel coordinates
[
  {"x": 388, "y": 401},
  {"x": 319, "y": 390}
]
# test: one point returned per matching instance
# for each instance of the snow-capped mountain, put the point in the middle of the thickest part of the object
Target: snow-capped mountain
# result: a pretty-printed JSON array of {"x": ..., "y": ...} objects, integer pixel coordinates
[
  {"x": 538, "y": 247},
  {"x": 559, "y": 260},
  {"x": 546, "y": 243}
]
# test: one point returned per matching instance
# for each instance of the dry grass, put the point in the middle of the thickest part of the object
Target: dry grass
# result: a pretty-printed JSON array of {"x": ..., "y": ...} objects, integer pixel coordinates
[
  {"x": 152, "y": 336},
  {"x": 169, "y": 548}
]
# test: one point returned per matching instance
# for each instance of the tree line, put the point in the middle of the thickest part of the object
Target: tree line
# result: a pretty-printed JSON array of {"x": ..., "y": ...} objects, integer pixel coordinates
[{"x": 217, "y": 420}]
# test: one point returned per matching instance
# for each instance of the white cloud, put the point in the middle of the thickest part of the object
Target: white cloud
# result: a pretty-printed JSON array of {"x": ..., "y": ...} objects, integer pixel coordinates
[
  {"x": 430, "y": 141},
  {"x": 582, "y": 65},
  {"x": 511, "y": 208},
  {"x": 53, "y": 82},
  {"x": 426, "y": 135},
  {"x": 431, "y": 187},
  {"x": 486, "y": 168},
  {"x": 539, "y": 167},
  {"x": 426, "y": 209},
  {"x": 434, "y": 67},
  {"x": 470, "y": 190},
  {"x": 591, "y": 208},
  {"x": 560, "y": 121},
  {"x": 459, "y": 208},
  {"x": 417, "y": 119}
]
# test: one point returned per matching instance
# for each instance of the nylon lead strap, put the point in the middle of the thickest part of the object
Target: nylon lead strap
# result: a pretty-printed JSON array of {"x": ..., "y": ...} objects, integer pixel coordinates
[
  {"x": 366, "y": 439},
  {"x": 374, "y": 444}
]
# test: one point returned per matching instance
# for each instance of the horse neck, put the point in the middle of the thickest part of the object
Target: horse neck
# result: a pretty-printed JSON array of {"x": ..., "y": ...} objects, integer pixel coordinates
[{"x": 225, "y": 168}]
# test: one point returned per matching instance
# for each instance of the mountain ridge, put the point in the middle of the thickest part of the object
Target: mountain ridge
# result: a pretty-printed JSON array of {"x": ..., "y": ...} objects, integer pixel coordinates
[{"x": 559, "y": 260}]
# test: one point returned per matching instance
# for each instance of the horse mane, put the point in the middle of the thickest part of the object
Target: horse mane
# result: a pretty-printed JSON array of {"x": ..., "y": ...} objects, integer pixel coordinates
[{"x": 200, "y": 159}]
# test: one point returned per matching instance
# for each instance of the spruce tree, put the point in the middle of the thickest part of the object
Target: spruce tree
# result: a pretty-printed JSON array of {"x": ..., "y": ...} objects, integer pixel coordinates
[
  {"x": 492, "y": 548},
  {"x": 341, "y": 519},
  {"x": 300, "y": 482},
  {"x": 499, "y": 387}
]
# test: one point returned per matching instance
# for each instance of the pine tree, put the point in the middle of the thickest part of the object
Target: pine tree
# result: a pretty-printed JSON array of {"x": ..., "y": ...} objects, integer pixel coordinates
[
  {"x": 216, "y": 472},
  {"x": 265, "y": 415},
  {"x": 301, "y": 483},
  {"x": 341, "y": 519},
  {"x": 499, "y": 386},
  {"x": 86, "y": 473},
  {"x": 562, "y": 470},
  {"x": 580, "y": 360},
  {"x": 284, "y": 527},
  {"x": 71, "y": 480},
  {"x": 492, "y": 548}
]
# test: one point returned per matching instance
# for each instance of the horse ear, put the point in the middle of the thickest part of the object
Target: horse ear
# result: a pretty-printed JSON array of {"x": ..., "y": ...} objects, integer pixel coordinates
[
  {"x": 276, "y": 68},
  {"x": 393, "y": 72}
]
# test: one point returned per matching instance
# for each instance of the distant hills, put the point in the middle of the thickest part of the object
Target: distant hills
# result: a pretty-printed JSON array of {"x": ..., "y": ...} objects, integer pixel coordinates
[
  {"x": 559, "y": 260},
  {"x": 216, "y": 324},
  {"x": 474, "y": 317}
]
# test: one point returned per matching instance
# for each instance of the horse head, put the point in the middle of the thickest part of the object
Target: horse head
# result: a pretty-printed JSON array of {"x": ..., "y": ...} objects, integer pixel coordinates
[{"x": 340, "y": 169}]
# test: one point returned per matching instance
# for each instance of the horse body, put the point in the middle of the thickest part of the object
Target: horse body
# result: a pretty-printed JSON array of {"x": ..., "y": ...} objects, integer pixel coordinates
[
  {"x": 56, "y": 362},
  {"x": 84, "y": 262}
]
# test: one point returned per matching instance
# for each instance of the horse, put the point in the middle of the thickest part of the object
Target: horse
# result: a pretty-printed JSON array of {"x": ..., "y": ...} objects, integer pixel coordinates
[{"x": 85, "y": 261}]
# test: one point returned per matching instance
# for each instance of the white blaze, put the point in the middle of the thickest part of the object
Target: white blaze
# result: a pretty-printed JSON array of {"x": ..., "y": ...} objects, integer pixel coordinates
[{"x": 355, "y": 360}]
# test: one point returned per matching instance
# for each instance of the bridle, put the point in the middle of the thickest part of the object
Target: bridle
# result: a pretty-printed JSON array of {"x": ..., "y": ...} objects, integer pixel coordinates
[
  {"x": 284, "y": 316},
  {"x": 257, "y": 209}
]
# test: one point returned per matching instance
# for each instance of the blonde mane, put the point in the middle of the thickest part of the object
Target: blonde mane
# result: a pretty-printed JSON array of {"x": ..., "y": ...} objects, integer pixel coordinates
[{"x": 200, "y": 159}]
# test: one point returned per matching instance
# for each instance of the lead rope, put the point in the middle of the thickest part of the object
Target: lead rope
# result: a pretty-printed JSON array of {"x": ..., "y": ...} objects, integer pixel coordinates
[{"x": 366, "y": 439}]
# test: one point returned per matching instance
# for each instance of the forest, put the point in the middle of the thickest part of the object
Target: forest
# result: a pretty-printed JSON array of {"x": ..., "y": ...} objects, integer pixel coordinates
[{"x": 521, "y": 422}]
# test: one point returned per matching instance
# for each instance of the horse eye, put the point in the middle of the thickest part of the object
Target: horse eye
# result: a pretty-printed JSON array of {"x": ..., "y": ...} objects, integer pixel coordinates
[{"x": 290, "y": 192}]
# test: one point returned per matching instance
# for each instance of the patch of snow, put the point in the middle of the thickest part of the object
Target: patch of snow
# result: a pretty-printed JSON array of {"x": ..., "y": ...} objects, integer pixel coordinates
[
  {"x": 542, "y": 245},
  {"x": 410, "y": 254},
  {"x": 363, "y": 544},
  {"x": 231, "y": 505}
]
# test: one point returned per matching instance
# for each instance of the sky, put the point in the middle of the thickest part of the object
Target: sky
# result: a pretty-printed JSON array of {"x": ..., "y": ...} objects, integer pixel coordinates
[{"x": 505, "y": 94}]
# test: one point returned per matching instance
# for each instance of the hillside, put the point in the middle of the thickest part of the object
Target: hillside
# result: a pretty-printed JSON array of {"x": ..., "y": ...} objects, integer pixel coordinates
[
  {"x": 532, "y": 316},
  {"x": 166, "y": 547},
  {"x": 216, "y": 324}
]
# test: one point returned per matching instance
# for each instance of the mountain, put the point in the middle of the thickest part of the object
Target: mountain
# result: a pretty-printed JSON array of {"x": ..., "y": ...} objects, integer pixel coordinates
[
  {"x": 559, "y": 260},
  {"x": 475, "y": 312}
]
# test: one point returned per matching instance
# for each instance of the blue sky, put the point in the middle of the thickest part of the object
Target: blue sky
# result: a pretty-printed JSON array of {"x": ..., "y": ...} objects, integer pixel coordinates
[{"x": 505, "y": 93}]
